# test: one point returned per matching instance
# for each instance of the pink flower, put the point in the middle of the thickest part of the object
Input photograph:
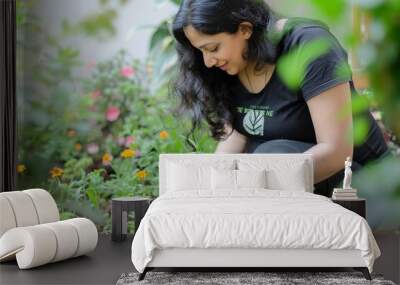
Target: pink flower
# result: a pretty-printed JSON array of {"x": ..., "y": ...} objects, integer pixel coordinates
[
  {"x": 95, "y": 94},
  {"x": 112, "y": 113},
  {"x": 129, "y": 140},
  {"x": 92, "y": 148},
  {"x": 127, "y": 72}
]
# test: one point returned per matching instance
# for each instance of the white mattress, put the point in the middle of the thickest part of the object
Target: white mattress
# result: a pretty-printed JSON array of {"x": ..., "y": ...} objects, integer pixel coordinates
[{"x": 257, "y": 218}]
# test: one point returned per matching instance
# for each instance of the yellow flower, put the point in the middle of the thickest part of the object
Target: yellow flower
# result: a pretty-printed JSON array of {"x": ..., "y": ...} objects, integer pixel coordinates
[
  {"x": 141, "y": 174},
  {"x": 107, "y": 159},
  {"x": 78, "y": 147},
  {"x": 127, "y": 153},
  {"x": 164, "y": 135},
  {"x": 71, "y": 133},
  {"x": 56, "y": 171},
  {"x": 21, "y": 168}
]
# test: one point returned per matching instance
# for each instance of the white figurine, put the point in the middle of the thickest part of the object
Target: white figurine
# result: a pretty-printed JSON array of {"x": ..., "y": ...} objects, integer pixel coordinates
[{"x": 347, "y": 174}]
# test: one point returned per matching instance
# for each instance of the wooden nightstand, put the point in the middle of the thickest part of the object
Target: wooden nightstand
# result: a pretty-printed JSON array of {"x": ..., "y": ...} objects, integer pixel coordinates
[{"x": 357, "y": 205}]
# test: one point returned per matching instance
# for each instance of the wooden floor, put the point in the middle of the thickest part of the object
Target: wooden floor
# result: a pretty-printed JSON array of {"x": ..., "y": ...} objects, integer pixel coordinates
[{"x": 110, "y": 259}]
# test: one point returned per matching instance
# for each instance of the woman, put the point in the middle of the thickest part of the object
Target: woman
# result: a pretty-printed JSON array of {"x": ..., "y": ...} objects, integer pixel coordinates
[{"x": 230, "y": 54}]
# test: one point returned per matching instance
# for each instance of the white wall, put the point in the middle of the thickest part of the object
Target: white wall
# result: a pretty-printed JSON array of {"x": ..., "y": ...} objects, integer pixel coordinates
[{"x": 134, "y": 14}]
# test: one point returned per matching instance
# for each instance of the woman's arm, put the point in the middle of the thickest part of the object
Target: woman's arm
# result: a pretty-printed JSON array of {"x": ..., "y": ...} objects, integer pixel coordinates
[
  {"x": 235, "y": 143},
  {"x": 333, "y": 126}
]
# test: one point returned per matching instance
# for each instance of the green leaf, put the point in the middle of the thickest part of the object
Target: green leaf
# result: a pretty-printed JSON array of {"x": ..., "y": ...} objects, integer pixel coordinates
[
  {"x": 361, "y": 127},
  {"x": 292, "y": 66},
  {"x": 359, "y": 104},
  {"x": 159, "y": 34},
  {"x": 330, "y": 9},
  {"x": 92, "y": 195}
]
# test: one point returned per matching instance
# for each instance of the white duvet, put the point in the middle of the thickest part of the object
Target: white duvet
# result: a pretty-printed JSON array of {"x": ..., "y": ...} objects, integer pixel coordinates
[{"x": 253, "y": 218}]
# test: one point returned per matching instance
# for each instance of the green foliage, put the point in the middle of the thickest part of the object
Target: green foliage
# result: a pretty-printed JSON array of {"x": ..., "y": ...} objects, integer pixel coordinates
[
  {"x": 330, "y": 10},
  {"x": 143, "y": 117},
  {"x": 108, "y": 143},
  {"x": 21, "y": 12},
  {"x": 361, "y": 125},
  {"x": 161, "y": 32},
  {"x": 162, "y": 55},
  {"x": 98, "y": 24},
  {"x": 378, "y": 182},
  {"x": 68, "y": 132},
  {"x": 292, "y": 66},
  {"x": 382, "y": 67}
]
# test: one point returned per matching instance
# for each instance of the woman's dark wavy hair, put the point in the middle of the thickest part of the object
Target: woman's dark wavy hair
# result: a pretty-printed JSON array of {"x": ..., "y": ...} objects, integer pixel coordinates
[{"x": 204, "y": 92}]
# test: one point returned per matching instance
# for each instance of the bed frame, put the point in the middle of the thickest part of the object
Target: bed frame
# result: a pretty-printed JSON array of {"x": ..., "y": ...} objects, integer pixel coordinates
[{"x": 241, "y": 259}]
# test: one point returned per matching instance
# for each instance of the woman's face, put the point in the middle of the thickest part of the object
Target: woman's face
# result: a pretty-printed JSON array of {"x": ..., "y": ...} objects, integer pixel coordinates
[{"x": 222, "y": 50}]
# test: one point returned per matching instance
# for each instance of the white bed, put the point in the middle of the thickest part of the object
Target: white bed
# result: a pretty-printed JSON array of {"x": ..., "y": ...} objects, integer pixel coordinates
[{"x": 201, "y": 220}]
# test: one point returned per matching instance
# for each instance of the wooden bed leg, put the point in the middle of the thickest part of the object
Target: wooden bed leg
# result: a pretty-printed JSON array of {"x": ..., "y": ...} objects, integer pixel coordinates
[
  {"x": 143, "y": 274},
  {"x": 364, "y": 271}
]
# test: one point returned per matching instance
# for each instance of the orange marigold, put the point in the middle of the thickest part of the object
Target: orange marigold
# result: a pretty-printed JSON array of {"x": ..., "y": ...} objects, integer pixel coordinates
[
  {"x": 21, "y": 168},
  {"x": 164, "y": 134},
  {"x": 127, "y": 153},
  {"x": 78, "y": 147},
  {"x": 107, "y": 157},
  {"x": 56, "y": 171},
  {"x": 142, "y": 174}
]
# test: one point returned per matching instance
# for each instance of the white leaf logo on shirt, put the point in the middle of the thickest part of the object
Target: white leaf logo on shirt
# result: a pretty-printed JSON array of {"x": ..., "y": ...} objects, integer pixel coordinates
[{"x": 253, "y": 122}]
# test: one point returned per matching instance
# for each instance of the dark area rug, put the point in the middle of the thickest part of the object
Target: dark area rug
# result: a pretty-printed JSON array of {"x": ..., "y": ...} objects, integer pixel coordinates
[{"x": 231, "y": 278}]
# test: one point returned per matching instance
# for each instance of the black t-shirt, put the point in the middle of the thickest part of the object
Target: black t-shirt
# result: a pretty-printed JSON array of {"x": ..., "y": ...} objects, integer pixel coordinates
[{"x": 281, "y": 112}]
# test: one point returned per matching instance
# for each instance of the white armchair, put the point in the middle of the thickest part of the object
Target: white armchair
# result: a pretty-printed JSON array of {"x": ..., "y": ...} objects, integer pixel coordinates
[{"x": 32, "y": 233}]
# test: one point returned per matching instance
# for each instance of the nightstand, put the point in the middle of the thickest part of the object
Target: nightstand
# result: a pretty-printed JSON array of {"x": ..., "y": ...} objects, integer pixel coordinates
[
  {"x": 120, "y": 207},
  {"x": 358, "y": 205}
]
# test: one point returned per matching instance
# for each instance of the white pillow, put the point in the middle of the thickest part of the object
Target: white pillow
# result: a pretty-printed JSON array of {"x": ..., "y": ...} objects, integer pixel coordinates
[
  {"x": 226, "y": 179},
  {"x": 223, "y": 179},
  {"x": 292, "y": 179},
  {"x": 281, "y": 175},
  {"x": 251, "y": 178},
  {"x": 187, "y": 177}
]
